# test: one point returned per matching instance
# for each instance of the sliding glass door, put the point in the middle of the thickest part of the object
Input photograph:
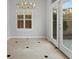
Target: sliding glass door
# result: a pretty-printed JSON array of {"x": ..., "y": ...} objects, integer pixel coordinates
[
  {"x": 61, "y": 25},
  {"x": 54, "y": 23},
  {"x": 66, "y": 27}
]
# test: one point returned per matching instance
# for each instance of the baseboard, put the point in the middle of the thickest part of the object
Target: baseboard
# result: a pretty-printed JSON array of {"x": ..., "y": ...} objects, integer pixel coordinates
[
  {"x": 26, "y": 37},
  {"x": 48, "y": 38}
]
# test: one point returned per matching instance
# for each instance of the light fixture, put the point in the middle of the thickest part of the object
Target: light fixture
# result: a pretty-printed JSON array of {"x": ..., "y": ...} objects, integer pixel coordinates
[{"x": 26, "y": 4}]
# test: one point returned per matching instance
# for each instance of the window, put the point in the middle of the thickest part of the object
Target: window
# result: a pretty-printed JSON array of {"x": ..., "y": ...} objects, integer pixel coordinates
[
  {"x": 24, "y": 21},
  {"x": 20, "y": 24},
  {"x": 28, "y": 22}
]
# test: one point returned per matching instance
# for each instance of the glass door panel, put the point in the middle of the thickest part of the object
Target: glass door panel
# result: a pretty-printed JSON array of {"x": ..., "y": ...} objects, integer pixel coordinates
[
  {"x": 67, "y": 24},
  {"x": 55, "y": 23}
]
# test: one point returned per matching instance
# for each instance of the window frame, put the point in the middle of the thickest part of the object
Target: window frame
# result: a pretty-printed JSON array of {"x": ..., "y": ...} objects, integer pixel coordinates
[{"x": 23, "y": 21}]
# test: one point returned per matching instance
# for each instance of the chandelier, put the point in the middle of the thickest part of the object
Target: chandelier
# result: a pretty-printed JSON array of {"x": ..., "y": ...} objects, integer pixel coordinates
[{"x": 26, "y": 4}]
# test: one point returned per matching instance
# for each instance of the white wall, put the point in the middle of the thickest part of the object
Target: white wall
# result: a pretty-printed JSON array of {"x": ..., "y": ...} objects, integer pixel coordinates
[
  {"x": 49, "y": 18},
  {"x": 39, "y": 20}
]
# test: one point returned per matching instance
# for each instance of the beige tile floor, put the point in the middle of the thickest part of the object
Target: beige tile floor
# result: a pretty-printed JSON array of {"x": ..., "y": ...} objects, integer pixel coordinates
[{"x": 24, "y": 48}]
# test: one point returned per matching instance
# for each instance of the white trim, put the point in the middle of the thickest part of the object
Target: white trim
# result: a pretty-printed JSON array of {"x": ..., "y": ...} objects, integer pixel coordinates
[{"x": 26, "y": 37}]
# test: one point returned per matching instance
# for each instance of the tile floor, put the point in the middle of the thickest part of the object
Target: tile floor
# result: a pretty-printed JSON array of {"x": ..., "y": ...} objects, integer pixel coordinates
[{"x": 24, "y": 48}]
